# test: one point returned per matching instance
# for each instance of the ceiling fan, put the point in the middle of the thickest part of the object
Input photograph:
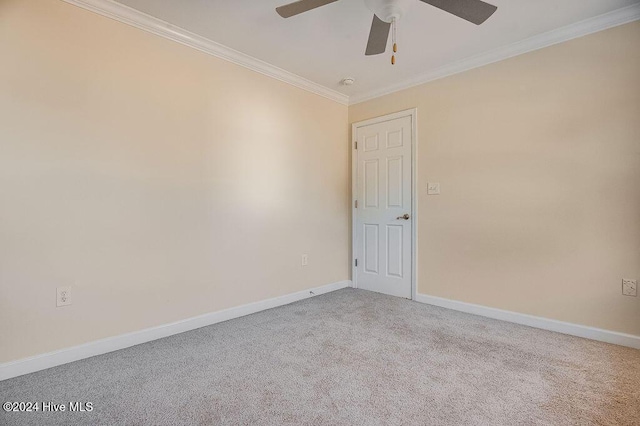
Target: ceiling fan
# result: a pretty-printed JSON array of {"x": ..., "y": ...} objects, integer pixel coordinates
[{"x": 387, "y": 12}]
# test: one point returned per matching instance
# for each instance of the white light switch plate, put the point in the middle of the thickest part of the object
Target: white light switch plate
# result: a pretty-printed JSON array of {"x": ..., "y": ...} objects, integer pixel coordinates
[
  {"x": 630, "y": 287},
  {"x": 433, "y": 188}
]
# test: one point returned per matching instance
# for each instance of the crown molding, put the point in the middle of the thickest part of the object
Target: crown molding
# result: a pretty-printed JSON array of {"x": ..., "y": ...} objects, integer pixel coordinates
[
  {"x": 127, "y": 15},
  {"x": 140, "y": 20},
  {"x": 569, "y": 32}
]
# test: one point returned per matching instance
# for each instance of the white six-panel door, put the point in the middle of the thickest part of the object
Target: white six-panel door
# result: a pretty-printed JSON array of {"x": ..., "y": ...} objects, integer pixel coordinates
[{"x": 383, "y": 215}]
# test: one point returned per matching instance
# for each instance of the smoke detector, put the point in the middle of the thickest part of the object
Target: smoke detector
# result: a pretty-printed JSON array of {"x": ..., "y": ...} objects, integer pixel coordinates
[{"x": 348, "y": 81}]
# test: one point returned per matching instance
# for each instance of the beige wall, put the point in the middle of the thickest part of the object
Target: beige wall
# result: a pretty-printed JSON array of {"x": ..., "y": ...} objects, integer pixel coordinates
[
  {"x": 538, "y": 157},
  {"x": 161, "y": 183}
]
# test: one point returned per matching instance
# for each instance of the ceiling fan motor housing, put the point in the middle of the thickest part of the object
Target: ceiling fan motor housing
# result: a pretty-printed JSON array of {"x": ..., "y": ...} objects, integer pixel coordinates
[{"x": 388, "y": 10}]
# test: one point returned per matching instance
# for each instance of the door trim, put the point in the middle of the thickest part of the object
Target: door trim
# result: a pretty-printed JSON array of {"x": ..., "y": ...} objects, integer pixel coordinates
[{"x": 413, "y": 114}]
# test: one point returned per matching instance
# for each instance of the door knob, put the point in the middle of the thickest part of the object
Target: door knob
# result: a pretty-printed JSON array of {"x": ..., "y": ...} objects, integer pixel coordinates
[{"x": 404, "y": 216}]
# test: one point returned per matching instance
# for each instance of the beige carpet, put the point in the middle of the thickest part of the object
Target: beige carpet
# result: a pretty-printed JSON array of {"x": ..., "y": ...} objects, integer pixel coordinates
[{"x": 347, "y": 358}]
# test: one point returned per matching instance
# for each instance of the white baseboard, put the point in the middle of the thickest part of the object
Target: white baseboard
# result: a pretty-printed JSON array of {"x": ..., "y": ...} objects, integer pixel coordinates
[
  {"x": 99, "y": 347},
  {"x": 592, "y": 333}
]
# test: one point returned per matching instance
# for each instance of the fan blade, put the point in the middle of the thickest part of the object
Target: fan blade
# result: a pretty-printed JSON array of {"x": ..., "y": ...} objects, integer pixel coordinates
[
  {"x": 475, "y": 11},
  {"x": 378, "y": 37},
  {"x": 291, "y": 9}
]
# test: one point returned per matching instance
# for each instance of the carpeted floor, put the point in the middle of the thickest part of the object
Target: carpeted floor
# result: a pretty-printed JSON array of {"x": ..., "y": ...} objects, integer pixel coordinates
[{"x": 350, "y": 357}]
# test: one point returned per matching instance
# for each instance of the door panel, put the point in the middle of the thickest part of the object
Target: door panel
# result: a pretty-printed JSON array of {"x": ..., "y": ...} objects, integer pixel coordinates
[
  {"x": 371, "y": 243},
  {"x": 371, "y": 184},
  {"x": 394, "y": 182},
  {"x": 383, "y": 236},
  {"x": 394, "y": 250}
]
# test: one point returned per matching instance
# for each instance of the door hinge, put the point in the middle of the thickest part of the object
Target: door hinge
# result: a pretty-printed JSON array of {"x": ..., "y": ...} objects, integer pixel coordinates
[
  {"x": 356, "y": 263},
  {"x": 356, "y": 204},
  {"x": 356, "y": 144}
]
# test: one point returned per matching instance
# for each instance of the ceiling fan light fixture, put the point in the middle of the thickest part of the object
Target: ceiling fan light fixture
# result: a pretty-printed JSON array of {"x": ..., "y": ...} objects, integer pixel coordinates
[{"x": 388, "y": 10}]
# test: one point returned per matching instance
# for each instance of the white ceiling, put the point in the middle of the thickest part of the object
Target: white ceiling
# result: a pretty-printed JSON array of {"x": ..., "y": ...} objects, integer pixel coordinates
[{"x": 327, "y": 44}]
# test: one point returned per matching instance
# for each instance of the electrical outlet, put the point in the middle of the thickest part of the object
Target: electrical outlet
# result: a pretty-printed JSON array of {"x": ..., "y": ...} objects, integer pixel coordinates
[
  {"x": 305, "y": 259},
  {"x": 63, "y": 296},
  {"x": 629, "y": 287}
]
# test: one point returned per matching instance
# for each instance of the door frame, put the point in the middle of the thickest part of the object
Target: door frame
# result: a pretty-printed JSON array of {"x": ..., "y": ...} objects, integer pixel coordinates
[{"x": 413, "y": 114}]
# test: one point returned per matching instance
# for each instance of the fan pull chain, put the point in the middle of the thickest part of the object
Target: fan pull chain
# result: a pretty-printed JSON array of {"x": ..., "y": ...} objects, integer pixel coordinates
[{"x": 393, "y": 39}]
